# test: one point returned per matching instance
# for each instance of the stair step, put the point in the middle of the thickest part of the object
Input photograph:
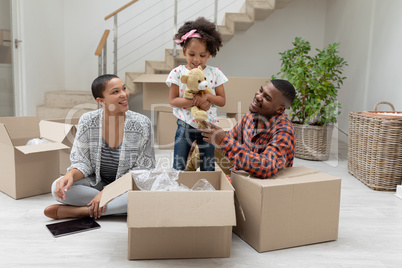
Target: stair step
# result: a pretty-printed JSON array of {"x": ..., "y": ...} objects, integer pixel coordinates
[
  {"x": 157, "y": 67},
  {"x": 260, "y": 10},
  {"x": 225, "y": 33},
  {"x": 241, "y": 21},
  {"x": 281, "y": 3},
  {"x": 44, "y": 112},
  {"x": 68, "y": 99},
  {"x": 133, "y": 88}
]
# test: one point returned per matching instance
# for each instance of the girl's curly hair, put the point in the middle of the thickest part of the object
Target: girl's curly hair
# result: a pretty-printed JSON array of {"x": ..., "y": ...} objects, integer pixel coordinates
[{"x": 206, "y": 29}]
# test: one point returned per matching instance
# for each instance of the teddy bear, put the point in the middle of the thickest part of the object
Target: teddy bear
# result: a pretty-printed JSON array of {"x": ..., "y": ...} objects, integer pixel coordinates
[{"x": 196, "y": 83}]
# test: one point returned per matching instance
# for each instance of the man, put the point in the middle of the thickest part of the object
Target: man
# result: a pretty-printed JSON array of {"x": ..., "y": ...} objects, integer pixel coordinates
[{"x": 263, "y": 141}]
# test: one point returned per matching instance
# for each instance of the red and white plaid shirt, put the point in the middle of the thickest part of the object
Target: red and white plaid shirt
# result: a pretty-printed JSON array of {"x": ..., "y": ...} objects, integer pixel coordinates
[{"x": 260, "y": 152}]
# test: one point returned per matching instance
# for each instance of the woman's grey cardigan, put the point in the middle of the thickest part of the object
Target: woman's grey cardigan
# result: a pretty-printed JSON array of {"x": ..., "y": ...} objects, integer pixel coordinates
[{"x": 136, "y": 151}]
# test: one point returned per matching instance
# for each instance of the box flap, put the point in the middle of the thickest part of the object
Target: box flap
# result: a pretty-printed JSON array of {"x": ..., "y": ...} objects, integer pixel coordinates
[
  {"x": 293, "y": 175},
  {"x": 238, "y": 101},
  {"x": 151, "y": 78},
  {"x": 117, "y": 188},
  {"x": 180, "y": 209},
  {"x": 4, "y": 137},
  {"x": 54, "y": 131},
  {"x": 21, "y": 128},
  {"x": 293, "y": 172},
  {"x": 39, "y": 148}
]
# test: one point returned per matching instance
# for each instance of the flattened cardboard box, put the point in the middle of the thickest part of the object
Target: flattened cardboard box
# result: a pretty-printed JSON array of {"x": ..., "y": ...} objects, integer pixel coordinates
[
  {"x": 27, "y": 170},
  {"x": 167, "y": 126},
  {"x": 178, "y": 224},
  {"x": 298, "y": 206},
  {"x": 62, "y": 130}
]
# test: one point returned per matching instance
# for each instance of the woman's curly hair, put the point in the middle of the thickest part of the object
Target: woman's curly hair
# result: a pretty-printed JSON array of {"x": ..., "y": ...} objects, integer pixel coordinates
[{"x": 206, "y": 29}]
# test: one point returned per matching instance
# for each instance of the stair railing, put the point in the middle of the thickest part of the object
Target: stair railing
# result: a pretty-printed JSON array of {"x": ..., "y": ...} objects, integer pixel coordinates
[
  {"x": 114, "y": 15},
  {"x": 101, "y": 52},
  {"x": 137, "y": 44}
]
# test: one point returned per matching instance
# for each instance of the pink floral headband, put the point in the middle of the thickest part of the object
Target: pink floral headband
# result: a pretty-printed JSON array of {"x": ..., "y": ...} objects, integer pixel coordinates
[{"x": 190, "y": 34}]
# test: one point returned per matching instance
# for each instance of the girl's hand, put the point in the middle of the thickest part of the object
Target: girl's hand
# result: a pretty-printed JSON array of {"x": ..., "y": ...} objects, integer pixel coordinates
[
  {"x": 63, "y": 185},
  {"x": 202, "y": 102},
  {"x": 205, "y": 106},
  {"x": 96, "y": 211}
]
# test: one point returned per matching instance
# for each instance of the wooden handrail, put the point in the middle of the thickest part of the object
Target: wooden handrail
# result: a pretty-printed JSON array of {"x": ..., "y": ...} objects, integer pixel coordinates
[
  {"x": 102, "y": 43},
  {"x": 120, "y": 9}
]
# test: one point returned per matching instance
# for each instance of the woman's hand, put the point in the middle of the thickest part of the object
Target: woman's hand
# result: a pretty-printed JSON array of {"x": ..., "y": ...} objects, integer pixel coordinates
[
  {"x": 63, "y": 185},
  {"x": 96, "y": 211}
]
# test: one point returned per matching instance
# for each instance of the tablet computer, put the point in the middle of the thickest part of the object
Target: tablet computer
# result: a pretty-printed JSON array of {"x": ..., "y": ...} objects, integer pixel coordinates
[{"x": 72, "y": 226}]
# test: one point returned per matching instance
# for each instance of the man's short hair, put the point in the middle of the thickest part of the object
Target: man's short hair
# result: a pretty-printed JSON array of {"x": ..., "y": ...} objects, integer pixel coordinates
[
  {"x": 286, "y": 88},
  {"x": 99, "y": 84}
]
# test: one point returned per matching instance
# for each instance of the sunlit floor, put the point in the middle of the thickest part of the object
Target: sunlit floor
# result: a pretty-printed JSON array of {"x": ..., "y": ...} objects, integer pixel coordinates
[{"x": 370, "y": 233}]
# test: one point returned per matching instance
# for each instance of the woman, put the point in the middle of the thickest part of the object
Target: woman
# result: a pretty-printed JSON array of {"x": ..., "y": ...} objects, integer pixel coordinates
[{"x": 109, "y": 142}]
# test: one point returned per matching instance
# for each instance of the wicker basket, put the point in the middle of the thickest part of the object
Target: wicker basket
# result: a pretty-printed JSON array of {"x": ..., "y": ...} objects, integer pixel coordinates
[
  {"x": 375, "y": 149},
  {"x": 313, "y": 142}
]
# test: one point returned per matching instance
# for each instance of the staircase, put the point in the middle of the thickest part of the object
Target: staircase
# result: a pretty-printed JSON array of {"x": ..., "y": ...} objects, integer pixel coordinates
[
  {"x": 59, "y": 104},
  {"x": 66, "y": 104}
]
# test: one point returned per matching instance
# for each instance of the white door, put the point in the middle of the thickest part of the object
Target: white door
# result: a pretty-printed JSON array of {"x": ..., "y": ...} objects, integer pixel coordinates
[
  {"x": 11, "y": 67},
  {"x": 6, "y": 68}
]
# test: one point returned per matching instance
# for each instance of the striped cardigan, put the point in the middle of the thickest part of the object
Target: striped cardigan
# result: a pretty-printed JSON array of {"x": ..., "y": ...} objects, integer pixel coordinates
[{"x": 136, "y": 152}]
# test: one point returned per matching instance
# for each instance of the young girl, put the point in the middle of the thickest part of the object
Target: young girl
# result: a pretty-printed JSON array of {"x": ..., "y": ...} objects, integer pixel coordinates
[{"x": 199, "y": 40}]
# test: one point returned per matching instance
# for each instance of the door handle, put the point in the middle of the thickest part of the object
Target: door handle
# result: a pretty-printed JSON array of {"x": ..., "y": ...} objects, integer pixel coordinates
[{"x": 16, "y": 42}]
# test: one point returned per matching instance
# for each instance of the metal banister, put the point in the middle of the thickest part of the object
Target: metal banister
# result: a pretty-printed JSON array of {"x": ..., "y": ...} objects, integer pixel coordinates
[
  {"x": 101, "y": 52},
  {"x": 120, "y": 9}
]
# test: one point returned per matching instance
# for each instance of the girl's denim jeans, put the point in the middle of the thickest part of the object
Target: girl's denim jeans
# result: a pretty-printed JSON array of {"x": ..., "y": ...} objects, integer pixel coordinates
[{"x": 185, "y": 136}]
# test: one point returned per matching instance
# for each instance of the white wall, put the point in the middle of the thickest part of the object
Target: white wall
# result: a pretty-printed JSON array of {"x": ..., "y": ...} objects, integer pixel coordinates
[
  {"x": 369, "y": 33},
  {"x": 43, "y": 42},
  {"x": 255, "y": 52}
]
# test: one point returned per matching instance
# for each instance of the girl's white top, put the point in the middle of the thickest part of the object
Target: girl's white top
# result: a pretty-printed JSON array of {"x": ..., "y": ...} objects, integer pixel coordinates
[{"x": 215, "y": 78}]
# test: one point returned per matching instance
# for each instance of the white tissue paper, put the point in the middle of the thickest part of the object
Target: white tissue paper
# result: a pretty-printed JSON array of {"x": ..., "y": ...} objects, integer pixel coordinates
[
  {"x": 165, "y": 180},
  {"x": 37, "y": 141}
]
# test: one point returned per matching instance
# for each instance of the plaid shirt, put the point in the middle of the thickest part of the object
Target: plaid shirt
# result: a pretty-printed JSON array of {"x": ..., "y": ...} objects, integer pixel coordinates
[{"x": 260, "y": 152}]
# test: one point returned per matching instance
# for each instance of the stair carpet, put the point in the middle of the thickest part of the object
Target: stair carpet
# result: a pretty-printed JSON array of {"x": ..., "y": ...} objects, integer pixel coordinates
[{"x": 63, "y": 103}]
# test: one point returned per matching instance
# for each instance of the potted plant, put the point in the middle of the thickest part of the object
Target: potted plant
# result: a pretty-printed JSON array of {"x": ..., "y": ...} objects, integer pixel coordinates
[{"x": 315, "y": 109}]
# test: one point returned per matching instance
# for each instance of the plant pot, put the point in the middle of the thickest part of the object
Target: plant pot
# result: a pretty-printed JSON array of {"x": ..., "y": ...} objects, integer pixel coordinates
[{"x": 313, "y": 142}]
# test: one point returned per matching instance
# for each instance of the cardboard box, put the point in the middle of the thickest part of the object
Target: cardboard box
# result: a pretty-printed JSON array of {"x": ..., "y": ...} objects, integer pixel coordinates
[
  {"x": 62, "y": 130},
  {"x": 240, "y": 92},
  {"x": 155, "y": 92},
  {"x": 178, "y": 224},
  {"x": 166, "y": 128},
  {"x": 298, "y": 206},
  {"x": 27, "y": 170}
]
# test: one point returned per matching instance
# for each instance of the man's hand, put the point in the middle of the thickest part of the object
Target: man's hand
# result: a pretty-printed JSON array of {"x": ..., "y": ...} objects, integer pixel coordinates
[{"x": 213, "y": 134}]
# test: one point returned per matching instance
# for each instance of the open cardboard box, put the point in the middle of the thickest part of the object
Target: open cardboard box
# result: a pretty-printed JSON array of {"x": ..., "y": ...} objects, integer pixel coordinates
[
  {"x": 27, "y": 170},
  {"x": 61, "y": 130},
  {"x": 298, "y": 206},
  {"x": 178, "y": 224},
  {"x": 167, "y": 126}
]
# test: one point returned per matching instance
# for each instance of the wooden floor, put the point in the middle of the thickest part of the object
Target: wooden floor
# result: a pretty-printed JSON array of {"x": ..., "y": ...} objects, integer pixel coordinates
[{"x": 370, "y": 233}]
